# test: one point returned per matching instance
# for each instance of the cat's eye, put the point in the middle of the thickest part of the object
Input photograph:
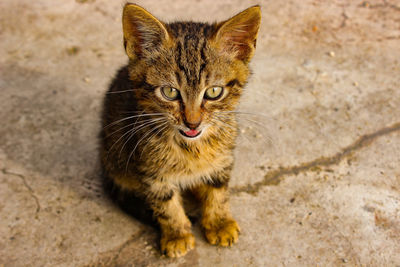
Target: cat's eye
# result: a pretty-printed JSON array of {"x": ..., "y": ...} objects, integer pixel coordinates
[
  {"x": 170, "y": 93},
  {"x": 213, "y": 93}
]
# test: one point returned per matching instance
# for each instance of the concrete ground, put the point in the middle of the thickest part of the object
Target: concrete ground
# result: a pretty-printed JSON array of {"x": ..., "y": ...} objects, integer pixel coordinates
[{"x": 317, "y": 176}]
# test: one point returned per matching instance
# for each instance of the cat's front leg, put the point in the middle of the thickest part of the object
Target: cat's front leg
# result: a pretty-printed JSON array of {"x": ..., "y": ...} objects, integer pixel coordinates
[
  {"x": 176, "y": 236},
  {"x": 219, "y": 226}
]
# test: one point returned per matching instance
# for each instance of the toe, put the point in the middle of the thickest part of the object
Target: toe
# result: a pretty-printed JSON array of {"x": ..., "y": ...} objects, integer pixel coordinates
[
  {"x": 225, "y": 235},
  {"x": 177, "y": 246}
]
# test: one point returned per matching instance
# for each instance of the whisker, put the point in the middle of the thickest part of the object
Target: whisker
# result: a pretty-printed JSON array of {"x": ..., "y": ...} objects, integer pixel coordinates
[
  {"x": 151, "y": 130},
  {"x": 215, "y": 123},
  {"x": 256, "y": 122},
  {"x": 151, "y": 137},
  {"x": 243, "y": 113},
  {"x": 132, "y": 117},
  {"x": 122, "y": 91},
  {"x": 217, "y": 120},
  {"x": 130, "y": 131},
  {"x": 112, "y": 146},
  {"x": 134, "y": 123},
  {"x": 268, "y": 140},
  {"x": 135, "y": 131}
]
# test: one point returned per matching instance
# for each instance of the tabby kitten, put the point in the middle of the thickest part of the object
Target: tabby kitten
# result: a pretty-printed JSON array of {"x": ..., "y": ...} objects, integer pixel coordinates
[{"x": 169, "y": 121}]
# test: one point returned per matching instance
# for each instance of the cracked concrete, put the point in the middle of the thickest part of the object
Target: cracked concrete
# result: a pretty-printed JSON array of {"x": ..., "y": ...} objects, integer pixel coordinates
[
  {"x": 274, "y": 177},
  {"x": 317, "y": 174},
  {"x": 6, "y": 172}
]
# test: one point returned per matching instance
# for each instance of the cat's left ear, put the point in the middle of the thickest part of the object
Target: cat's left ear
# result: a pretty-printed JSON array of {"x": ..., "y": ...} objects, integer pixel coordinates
[
  {"x": 142, "y": 31},
  {"x": 238, "y": 35}
]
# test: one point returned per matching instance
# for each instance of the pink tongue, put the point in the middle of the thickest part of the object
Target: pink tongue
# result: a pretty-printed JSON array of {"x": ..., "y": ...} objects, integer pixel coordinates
[{"x": 191, "y": 133}]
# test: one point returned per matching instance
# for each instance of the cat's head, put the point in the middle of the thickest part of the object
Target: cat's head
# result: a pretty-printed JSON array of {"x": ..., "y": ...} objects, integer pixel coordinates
[{"x": 194, "y": 72}]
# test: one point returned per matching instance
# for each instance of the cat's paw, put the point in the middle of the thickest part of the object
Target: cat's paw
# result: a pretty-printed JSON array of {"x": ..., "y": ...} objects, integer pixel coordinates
[
  {"x": 175, "y": 247},
  {"x": 225, "y": 234}
]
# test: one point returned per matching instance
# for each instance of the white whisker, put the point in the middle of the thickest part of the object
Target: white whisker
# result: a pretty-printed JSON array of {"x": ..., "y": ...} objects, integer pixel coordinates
[
  {"x": 133, "y": 123},
  {"x": 151, "y": 130},
  {"x": 155, "y": 121},
  {"x": 122, "y": 91},
  {"x": 132, "y": 117},
  {"x": 130, "y": 131},
  {"x": 268, "y": 140},
  {"x": 151, "y": 137}
]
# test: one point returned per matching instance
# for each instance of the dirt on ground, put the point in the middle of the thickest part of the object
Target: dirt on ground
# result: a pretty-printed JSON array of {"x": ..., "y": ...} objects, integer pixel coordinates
[{"x": 317, "y": 174}]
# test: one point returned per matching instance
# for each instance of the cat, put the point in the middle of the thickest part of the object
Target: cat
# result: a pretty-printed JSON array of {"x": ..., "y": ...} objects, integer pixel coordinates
[{"x": 169, "y": 122}]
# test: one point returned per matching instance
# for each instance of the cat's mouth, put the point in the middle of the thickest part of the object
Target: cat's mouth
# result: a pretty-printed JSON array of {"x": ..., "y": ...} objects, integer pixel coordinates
[{"x": 190, "y": 133}]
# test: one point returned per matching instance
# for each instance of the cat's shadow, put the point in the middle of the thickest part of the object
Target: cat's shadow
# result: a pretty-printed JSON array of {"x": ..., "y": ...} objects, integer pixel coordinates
[{"x": 51, "y": 128}]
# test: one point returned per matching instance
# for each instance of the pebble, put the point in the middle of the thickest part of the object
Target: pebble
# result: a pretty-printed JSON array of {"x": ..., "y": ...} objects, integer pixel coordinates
[{"x": 307, "y": 63}]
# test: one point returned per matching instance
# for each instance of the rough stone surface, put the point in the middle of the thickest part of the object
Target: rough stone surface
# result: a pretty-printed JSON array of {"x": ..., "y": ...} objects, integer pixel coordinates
[{"x": 317, "y": 176}]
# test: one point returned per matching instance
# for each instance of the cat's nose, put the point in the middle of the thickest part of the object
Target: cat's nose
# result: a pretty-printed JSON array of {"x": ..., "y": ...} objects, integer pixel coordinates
[
  {"x": 192, "y": 124},
  {"x": 192, "y": 117}
]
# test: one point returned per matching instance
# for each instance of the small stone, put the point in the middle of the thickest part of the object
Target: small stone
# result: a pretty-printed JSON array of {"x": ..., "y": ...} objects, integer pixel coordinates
[
  {"x": 73, "y": 50},
  {"x": 86, "y": 80},
  {"x": 84, "y": 1},
  {"x": 148, "y": 247},
  {"x": 355, "y": 83},
  {"x": 306, "y": 63},
  {"x": 331, "y": 54},
  {"x": 368, "y": 208}
]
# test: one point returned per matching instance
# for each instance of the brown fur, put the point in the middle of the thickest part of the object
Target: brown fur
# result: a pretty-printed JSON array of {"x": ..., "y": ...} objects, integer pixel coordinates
[{"x": 145, "y": 154}]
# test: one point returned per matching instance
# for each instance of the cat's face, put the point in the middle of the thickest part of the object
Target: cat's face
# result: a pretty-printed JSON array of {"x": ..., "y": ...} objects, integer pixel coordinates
[
  {"x": 195, "y": 87},
  {"x": 194, "y": 72}
]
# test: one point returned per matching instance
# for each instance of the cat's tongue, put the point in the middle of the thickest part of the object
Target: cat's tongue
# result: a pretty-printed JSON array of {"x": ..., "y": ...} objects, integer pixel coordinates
[{"x": 192, "y": 133}]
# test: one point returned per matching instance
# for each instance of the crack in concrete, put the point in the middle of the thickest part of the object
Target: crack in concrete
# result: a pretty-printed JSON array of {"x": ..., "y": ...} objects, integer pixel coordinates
[
  {"x": 32, "y": 193},
  {"x": 345, "y": 18},
  {"x": 274, "y": 177},
  {"x": 112, "y": 260},
  {"x": 123, "y": 246},
  {"x": 385, "y": 4}
]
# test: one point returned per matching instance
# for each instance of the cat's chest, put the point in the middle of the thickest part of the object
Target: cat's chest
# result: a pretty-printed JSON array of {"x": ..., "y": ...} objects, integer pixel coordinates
[{"x": 189, "y": 167}]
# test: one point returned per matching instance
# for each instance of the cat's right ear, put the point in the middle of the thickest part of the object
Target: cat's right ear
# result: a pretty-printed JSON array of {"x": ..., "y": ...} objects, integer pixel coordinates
[{"x": 142, "y": 31}]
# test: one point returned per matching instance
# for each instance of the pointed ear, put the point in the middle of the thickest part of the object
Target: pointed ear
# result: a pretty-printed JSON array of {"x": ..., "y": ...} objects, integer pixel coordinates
[
  {"x": 238, "y": 34},
  {"x": 142, "y": 31}
]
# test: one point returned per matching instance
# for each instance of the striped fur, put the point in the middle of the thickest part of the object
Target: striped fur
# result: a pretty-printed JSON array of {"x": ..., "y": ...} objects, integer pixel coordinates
[{"x": 145, "y": 155}]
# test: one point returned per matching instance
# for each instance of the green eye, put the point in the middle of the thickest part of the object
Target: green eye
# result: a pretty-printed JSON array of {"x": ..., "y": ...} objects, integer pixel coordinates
[
  {"x": 213, "y": 93},
  {"x": 170, "y": 93}
]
